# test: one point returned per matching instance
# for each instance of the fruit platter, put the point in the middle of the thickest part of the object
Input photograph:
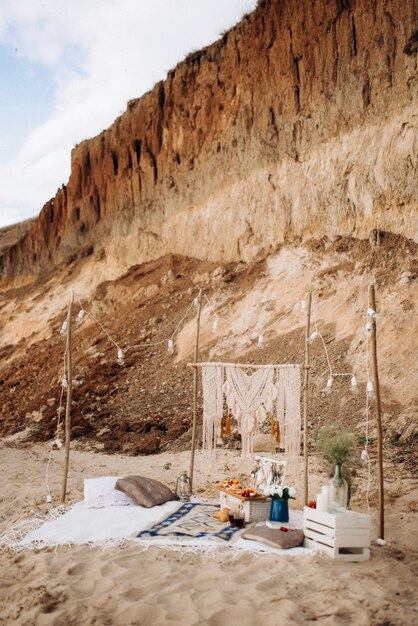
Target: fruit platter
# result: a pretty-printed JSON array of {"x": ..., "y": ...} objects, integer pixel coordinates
[
  {"x": 236, "y": 489},
  {"x": 231, "y": 484}
]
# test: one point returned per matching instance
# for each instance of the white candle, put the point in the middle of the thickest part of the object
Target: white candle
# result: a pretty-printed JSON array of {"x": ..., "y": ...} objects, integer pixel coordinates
[
  {"x": 321, "y": 502},
  {"x": 325, "y": 492}
]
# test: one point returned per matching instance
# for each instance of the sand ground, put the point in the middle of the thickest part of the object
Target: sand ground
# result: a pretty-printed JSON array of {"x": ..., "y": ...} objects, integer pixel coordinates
[{"x": 126, "y": 586}]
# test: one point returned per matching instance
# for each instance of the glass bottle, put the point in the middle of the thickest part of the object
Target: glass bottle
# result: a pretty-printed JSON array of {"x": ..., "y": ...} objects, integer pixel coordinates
[{"x": 338, "y": 490}]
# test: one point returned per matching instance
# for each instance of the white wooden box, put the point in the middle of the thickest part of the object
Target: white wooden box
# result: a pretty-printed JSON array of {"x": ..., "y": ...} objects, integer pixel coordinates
[{"x": 344, "y": 536}]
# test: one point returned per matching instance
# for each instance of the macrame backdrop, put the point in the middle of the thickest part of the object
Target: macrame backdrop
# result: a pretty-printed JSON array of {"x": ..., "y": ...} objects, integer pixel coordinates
[
  {"x": 248, "y": 395},
  {"x": 252, "y": 392},
  {"x": 212, "y": 379},
  {"x": 288, "y": 410}
]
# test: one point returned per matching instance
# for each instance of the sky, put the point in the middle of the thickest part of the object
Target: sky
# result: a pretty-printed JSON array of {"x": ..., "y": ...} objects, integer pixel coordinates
[{"x": 67, "y": 70}]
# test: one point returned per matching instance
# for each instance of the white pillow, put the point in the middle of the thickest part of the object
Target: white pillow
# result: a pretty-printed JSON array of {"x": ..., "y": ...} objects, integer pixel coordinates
[{"x": 101, "y": 492}]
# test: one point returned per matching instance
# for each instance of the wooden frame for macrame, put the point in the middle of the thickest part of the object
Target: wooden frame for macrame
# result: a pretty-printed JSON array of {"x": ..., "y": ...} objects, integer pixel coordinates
[{"x": 305, "y": 388}]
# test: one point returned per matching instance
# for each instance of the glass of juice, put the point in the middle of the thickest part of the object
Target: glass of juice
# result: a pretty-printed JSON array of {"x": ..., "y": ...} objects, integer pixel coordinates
[{"x": 239, "y": 520}]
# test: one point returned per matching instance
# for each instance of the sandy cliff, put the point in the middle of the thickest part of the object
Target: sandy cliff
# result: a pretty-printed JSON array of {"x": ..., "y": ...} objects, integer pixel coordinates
[
  {"x": 296, "y": 127},
  {"x": 300, "y": 121}
]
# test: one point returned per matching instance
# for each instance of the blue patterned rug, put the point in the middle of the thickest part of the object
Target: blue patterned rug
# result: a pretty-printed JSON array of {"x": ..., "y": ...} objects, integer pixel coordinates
[{"x": 194, "y": 521}]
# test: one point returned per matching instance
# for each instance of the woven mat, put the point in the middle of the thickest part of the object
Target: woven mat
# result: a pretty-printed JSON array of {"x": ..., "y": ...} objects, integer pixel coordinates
[{"x": 192, "y": 521}]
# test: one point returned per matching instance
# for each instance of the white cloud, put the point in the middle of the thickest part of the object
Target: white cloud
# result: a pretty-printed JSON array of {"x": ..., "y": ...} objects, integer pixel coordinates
[{"x": 101, "y": 53}]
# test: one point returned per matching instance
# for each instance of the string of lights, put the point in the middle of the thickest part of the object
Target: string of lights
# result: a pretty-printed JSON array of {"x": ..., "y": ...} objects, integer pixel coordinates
[
  {"x": 253, "y": 330},
  {"x": 169, "y": 341}
]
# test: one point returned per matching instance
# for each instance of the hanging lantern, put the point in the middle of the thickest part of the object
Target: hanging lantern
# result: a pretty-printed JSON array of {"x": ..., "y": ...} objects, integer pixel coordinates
[
  {"x": 196, "y": 302},
  {"x": 329, "y": 384},
  {"x": 215, "y": 325},
  {"x": 368, "y": 329},
  {"x": 312, "y": 337},
  {"x": 354, "y": 385},
  {"x": 370, "y": 390},
  {"x": 365, "y": 456},
  {"x": 120, "y": 357},
  {"x": 260, "y": 343},
  {"x": 49, "y": 499},
  {"x": 80, "y": 316},
  {"x": 64, "y": 328},
  {"x": 371, "y": 313},
  {"x": 183, "y": 488},
  {"x": 170, "y": 346},
  {"x": 58, "y": 442},
  {"x": 64, "y": 382}
]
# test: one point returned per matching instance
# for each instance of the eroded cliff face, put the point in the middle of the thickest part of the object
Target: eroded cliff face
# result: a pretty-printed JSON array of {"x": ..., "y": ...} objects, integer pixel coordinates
[{"x": 301, "y": 121}]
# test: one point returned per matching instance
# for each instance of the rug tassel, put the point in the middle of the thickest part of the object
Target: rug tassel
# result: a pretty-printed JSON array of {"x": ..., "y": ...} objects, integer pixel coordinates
[{"x": 228, "y": 425}]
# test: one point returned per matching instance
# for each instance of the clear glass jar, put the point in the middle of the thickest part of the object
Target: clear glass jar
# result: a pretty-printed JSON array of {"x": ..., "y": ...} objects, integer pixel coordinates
[{"x": 338, "y": 490}]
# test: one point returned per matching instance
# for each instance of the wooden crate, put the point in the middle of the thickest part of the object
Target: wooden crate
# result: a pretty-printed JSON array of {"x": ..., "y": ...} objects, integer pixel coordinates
[
  {"x": 256, "y": 509},
  {"x": 344, "y": 536}
]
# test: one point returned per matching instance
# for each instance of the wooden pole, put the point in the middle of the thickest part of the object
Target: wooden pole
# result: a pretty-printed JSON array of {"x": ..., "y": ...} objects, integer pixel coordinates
[
  {"x": 69, "y": 397},
  {"x": 376, "y": 385},
  {"x": 196, "y": 356},
  {"x": 306, "y": 399}
]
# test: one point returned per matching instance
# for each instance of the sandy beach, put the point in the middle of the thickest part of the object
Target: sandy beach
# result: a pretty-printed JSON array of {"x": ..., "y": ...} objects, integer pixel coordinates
[{"x": 126, "y": 586}]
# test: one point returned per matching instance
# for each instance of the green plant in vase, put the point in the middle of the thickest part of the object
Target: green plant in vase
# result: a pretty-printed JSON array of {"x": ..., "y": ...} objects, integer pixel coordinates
[{"x": 337, "y": 447}]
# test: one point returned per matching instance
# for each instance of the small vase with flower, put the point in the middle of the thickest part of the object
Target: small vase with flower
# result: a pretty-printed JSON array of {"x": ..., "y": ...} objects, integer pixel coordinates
[{"x": 280, "y": 496}]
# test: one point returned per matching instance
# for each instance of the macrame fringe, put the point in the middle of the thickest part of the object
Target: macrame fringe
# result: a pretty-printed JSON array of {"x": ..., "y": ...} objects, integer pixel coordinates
[
  {"x": 212, "y": 379},
  {"x": 13, "y": 539},
  {"x": 292, "y": 452},
  {"x": 208, "y": 551}
]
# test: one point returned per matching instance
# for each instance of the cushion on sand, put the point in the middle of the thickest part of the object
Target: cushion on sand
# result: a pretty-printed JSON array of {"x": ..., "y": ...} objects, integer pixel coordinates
[
  {"x": 275, "y": 537},
  {"x": 101, "y": 492},
  {"x": 146, "y": 492}
]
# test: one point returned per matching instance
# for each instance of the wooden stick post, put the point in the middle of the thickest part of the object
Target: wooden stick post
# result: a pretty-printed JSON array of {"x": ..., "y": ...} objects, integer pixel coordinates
[
  {"x": 376, "y": 385},
  {"x": 69, "y": 396},
  {"x": 306, "y": 398},
  {"x": 196, "y": 357}
]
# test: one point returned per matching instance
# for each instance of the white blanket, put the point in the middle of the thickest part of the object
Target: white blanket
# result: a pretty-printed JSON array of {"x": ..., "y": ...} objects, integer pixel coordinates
[{"x": 111, "y": 526}]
